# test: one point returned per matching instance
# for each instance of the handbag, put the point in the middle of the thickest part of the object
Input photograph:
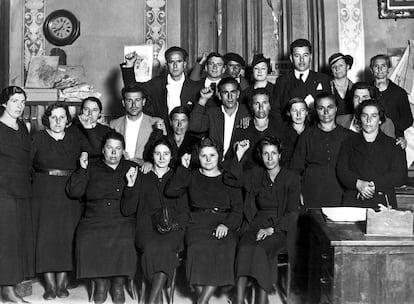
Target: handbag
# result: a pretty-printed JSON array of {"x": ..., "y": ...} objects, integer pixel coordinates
[{"x": 163, "y": 221}]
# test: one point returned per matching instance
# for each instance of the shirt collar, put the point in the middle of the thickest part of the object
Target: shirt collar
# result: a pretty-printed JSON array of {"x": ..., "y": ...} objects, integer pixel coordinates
[
  {"x": 225, "y": 113},
  {"x": 178, "y": 82},
  {"x": 305, "y": 74}
]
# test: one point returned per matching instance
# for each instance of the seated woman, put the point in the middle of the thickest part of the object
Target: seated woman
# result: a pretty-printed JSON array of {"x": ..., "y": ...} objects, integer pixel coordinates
[
  {"x": 316, "y": 155},
  {"x": 158, "y": 248},
  {"x": 296, "y": 113},
  {"x": 216, "y": 213},
  {"x": 271, "y": 206},
  {"x": 260, "y": 126},
  {"x": 105, "y": 249},
  {"x": 87, "y": 125},
  {"x": 370, "y": 164}
]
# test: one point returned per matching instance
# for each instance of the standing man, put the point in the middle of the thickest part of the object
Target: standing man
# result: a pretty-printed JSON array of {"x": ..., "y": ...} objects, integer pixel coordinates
[
  {"x": 135, "y": 126},
  {"x": 166, "y": 91},
  {"x": 393, "y": 98},
  {"x": 234, "y": 65},
  {"x": 219, "y": 122},
  {"x": 301, "y": 82}
]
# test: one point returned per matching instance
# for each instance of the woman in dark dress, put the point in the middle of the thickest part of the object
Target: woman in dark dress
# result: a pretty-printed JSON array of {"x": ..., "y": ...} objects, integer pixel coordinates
[
  {"x": 316, "y": 155},
  {"x": 16, "y": 234},
  {"x": 55, "y": 154},
  {"x": 271, "y": 206},
  {"x": 105, "y": 249},
  {"x": 260, "y": 126},
  {"x": 370, "y": 164},
  {"x": 297, "y": 116},
  {"x": 87, "y": 126},
  {"x": 159, "y": 250},
  {"x": 216, "y": 212}
]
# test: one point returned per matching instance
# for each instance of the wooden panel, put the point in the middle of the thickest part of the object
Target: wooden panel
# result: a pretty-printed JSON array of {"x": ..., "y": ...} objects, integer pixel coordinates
[
  {"x": 4, "y": 46},
  {"x": 206, "y": 26},
  {"x": 234, "y": 27}
]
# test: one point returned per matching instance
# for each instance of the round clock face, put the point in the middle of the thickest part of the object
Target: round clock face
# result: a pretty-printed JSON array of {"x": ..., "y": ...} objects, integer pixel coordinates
[{"x": 61, "y": 28}]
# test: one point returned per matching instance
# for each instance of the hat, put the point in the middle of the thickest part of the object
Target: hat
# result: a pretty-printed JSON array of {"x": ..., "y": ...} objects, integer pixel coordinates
[
  {"x": 234, "y": 57},
  {"x": 337, "y": 56},
  {"x": 257, "y": 58}
]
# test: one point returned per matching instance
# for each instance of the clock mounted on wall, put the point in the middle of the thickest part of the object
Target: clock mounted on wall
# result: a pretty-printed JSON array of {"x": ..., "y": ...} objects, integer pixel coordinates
[{"x": 61, "y": 28}]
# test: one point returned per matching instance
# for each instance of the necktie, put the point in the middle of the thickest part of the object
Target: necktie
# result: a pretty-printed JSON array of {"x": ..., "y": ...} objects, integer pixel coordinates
[{"x": 301, "y": 77}]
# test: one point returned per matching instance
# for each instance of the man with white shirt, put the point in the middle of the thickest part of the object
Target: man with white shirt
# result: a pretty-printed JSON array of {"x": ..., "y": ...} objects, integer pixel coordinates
[
  {"x": 135, "y": 126},
  {"x": 166, "y": 91},
  {"x": 219, "y": 122},
  {"x": 301, "y": 82}
]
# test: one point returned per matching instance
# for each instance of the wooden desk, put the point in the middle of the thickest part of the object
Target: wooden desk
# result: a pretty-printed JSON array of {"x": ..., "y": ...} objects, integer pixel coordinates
[{"x": 345, "y": 266}]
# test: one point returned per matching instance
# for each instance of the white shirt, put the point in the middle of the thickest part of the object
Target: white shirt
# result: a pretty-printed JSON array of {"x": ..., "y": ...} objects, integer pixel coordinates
[
  {"x": 173, "y": 92},
  {"x": 131, "y": 135},
  {"x": 228, "y": 128},
  {"x": 305, "y": 75},
  {"x": 208, "y": 82}
]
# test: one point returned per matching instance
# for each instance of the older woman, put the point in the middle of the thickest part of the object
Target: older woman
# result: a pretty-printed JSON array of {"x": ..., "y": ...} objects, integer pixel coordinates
[
  {"x": 341, "y": 86},
  {"x": 260, "y": 126},
  {"x": 16, "y": 237},
  {"x": 87, "y": 125},
  {"x": 55, "y": 154},
  {"x": 271, "y": 206},
  {"x": 147, "y": 200},
  {"x": 316, "y": 155},
  {"x": 370, "y": 165},
  {"x": 105, "y": 250},
  {"x": 216, "y": 212}
]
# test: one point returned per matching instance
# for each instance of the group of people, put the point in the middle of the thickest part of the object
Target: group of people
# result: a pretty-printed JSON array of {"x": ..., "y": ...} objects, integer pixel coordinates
[{"x": 207, "y": 165}]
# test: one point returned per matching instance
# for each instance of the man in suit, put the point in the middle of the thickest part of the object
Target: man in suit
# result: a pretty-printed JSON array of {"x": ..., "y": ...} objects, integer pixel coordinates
[
  {"x": 301, "y": 82},
  {"x": 234, "y": 65},
  {"x": 220, "y": 122},
  {"x": 135, "y": 126},
  {"x": 362, "y": 91},
  {"x": 166, "y": 91}
]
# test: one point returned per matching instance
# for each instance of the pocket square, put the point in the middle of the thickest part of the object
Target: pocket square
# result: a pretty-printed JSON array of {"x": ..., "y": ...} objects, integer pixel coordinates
[
  {"x": 189, "y": 103},
  {"x": 319, "y": 87}
]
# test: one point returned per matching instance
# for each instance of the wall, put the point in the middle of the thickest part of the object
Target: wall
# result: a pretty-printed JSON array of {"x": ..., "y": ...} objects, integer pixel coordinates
[{"x": 380, "y": 34}]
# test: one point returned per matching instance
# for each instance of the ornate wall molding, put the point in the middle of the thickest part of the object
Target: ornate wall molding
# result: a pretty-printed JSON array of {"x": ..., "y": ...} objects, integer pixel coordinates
[
  {"x": 351, "y": 35},
  {"x": 156, "y": 27},
  {"x": 33, "y": 39}
]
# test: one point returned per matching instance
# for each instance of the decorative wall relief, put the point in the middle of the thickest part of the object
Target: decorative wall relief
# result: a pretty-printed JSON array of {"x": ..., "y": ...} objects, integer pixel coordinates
[
  {"x": 351, "y": 35},
  {"x": 156, "y": 28},
  {"x": 33, "y": 39}
]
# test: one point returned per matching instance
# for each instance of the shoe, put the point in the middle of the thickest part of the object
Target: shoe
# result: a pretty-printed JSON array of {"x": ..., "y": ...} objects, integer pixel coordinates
[
  {"x": 62, "y": 292},
  {"x": 117, "y": 291},
  {"x": 49, "y": 294},
  {"x": 101, "y": 290}
]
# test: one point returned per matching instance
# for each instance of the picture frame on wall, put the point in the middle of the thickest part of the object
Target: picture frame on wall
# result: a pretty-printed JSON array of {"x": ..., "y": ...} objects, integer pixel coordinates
[{"x": 394, "y": 9}]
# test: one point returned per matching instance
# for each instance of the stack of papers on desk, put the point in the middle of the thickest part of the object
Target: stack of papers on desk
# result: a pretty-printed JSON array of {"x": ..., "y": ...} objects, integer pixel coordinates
[{"x": 345, "y": 214}]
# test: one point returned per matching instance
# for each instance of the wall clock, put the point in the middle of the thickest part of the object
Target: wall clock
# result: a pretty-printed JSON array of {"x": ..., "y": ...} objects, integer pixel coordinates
[{"x": 61, "y": 28}]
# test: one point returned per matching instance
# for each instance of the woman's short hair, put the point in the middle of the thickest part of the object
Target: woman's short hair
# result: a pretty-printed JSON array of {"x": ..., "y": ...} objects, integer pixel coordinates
[
  {"x": 93, "y": 99},
  {"x": 258, "y": 91},
  {"x": 367, "y": 103},
  {"x": 180, "y": 110},
  {"x": 268, "y": 140},
  {"x": 160, "y": 141},
  {"x": 8, "y": 92},
  {"x": 48, "y": 113},
  {"x": 115, "y": 136},
  {"x": 206, "y": 142},
  {"x": 324, "y": 95},
  {"x": 289, "y": 105},
  {"x": 380, "y": 56},
  {"x": 373, "y": 91}
]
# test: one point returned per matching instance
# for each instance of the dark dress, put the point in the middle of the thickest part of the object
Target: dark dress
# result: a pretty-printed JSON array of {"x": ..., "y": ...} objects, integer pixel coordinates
[
  {"x": 159, "y": 251},
  {"x": 345, "y": 105},
  {"x": 105, "y": 237},
  {"x": 289, "y": 144},
  {"x": 254, "y": 136},
  {"x": 55, "y": 215},
  {"x": 210, "y": 261},
  {"x": 315, "y": 158},
  {"x": 267, "y": 204},
  {"x": 16, "y": 231},
  {"x": 380, "y": 161}
]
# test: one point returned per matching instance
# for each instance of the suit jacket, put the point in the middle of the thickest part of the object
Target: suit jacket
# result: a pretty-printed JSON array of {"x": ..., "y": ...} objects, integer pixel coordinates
[
  {"x": 156, "y": 88},
  {"x": 288, "y": 87},
  {"x": 144, "y": 132},
  {"x": 211, "y": 120},
  {"x": 387, "y": 127}
]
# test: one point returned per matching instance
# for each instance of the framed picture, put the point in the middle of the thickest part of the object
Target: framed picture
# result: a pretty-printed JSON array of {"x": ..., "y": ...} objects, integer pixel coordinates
[
  {"x": 393, "y": 9},
  {"x": 143, "y": 64},
  {"x": 42, "y": 72}
]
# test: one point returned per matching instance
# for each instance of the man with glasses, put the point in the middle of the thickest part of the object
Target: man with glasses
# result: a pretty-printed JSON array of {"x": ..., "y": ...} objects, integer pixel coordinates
[
  {"x": 166, "y": 91},
  {"x": 219, "y": 122},
  {"x": 135, "y": 126}
]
